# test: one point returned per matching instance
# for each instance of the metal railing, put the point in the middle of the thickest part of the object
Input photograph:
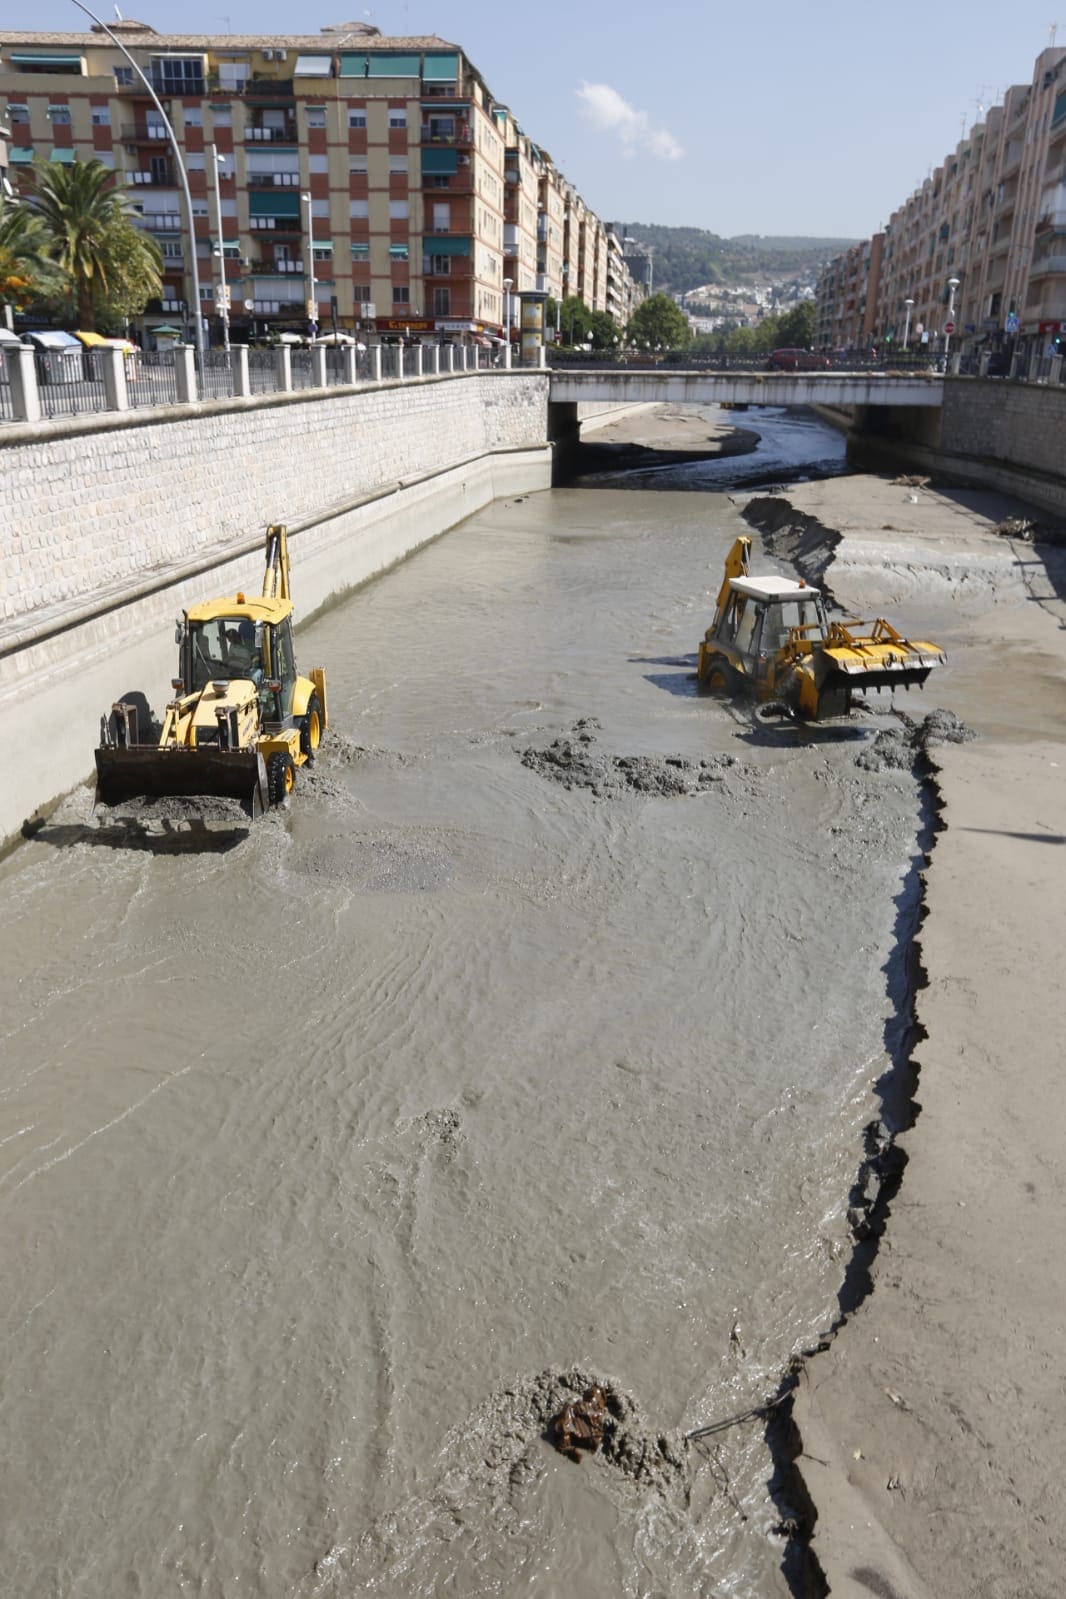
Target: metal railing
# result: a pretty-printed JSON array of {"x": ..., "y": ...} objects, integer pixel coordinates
[
  {"x": 151, "y": 379},
  {"x": 68, "y": 383}
]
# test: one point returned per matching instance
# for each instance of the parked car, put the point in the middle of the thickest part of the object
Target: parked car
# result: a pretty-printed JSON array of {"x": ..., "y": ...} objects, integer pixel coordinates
[{"x": 789, "y": 360}]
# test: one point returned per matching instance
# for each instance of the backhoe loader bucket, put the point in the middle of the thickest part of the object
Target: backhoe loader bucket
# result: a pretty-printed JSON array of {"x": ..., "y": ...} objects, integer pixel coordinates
[{"x": 124, "y": 774}]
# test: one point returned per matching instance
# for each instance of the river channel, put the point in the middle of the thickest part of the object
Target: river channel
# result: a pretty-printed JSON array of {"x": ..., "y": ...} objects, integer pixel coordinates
[{"x": 334, "y": 1148}]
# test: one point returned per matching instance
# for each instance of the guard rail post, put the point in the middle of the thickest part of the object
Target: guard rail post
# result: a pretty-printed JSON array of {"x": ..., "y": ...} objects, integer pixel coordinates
[
  {"x": 242, "y": 383},
  {"x": 351, "y": 355},
  {"x": 375, "y": 363},
  {"x": 113, "y": 369},
  {"x": 22, "y": 376},
  {"x": 418, "y": 360},
  {"x": 185, "y": 374},
  {"x": 283, "y": 369},
  {"x": 318, "y": 366}
]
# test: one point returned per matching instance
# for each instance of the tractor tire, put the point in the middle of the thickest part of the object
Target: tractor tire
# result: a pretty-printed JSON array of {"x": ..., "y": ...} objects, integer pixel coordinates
[
  {"x": 719, "y": 677},
  {"x": 311, "y": 729},
  {"x": 281, "y": 777}
]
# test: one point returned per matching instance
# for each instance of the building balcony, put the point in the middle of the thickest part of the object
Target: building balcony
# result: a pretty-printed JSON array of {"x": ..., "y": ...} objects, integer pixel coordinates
[
  {"x": 150, "y": 180},
  {"x": 1048, "y": 266},
  {"x": 275, "y": 225},
  {"x": 259, "y": 89},
  {"x": 146, "y": 135},
  {"x": 269, "y": 268},
  {"x": 255, "y": 134},
  {"x": 273, "y": 180},
  {"x": 462, "y": 134},
  {"x": 160, "y": 221}
]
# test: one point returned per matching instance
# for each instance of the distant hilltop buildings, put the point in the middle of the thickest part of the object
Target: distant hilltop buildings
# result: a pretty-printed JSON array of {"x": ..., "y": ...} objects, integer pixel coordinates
[
  {"x": 977, "y": 255},
  {"x": 340, "y": 178}
]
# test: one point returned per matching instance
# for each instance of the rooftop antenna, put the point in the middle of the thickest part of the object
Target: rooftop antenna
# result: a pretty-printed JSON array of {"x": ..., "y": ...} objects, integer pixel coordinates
[
  {"x": 119, "y": 15},
  {"x": 1053, "y": 29}
]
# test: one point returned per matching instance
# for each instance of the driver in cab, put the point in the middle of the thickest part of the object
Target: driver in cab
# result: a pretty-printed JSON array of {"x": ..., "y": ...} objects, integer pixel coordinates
[{"x": 244, "y": 656}]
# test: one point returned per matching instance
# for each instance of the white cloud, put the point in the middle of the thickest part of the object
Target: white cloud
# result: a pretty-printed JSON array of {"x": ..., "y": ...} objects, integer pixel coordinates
[{"x": 606, "y": 110}]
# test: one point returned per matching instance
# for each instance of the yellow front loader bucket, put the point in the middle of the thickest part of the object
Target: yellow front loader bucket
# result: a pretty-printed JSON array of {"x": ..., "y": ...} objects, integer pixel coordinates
[{"x": 176, "y": 770}]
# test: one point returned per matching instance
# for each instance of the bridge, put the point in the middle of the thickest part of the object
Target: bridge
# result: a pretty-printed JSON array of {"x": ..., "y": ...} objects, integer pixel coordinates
[{"x": 632, "y": 385}]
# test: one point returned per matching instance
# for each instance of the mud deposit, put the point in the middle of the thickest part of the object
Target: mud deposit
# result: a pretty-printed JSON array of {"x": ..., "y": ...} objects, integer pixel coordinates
[
  {"x": 340, "y": 1148},
  {"x": 575, "y": 762}
]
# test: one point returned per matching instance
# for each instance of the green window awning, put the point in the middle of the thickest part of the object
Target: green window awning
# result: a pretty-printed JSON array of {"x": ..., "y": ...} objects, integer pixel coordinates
[
  {"x": 440, "y": 69},
  {"x": 360, "y": 251},
  {"x": 273, "y": 205},
  {"x": 20, "y": 155},
  {"x": 30, "y": 58},
  {"x": 398, "y": 252},
  {"x": 63, "y": 154},
  {"x": 1060, "y": 109},
  {"x": 445, "y": 244},
  {"x": 439, "y": 161},
  {"x": 380, "y": 64}
]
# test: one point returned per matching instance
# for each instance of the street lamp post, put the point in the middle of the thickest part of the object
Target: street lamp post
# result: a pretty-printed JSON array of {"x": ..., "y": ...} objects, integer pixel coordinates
[
  {"x": 907, "y": 324},
  {"x": 221, "y": 283},
  {"x": 312, "y": 302},
  {"x": 949, "y": 325},
  {"x": 194, "y": 271}
]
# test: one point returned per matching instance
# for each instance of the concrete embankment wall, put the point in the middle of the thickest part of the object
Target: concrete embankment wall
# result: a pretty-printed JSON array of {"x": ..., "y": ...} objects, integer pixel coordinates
[
  {"x": 111, "y": 527},
  {"x": 989, "y": 434}
]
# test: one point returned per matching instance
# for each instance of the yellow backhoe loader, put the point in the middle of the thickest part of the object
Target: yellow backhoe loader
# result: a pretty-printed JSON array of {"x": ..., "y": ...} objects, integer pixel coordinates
[
  {"x": 241, "y": 721},
  {"x": 771, "y": 638}
]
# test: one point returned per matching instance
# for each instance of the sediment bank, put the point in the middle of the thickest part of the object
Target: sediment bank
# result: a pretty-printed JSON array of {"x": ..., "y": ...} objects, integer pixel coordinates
[{"x": 920, "y": 1446}]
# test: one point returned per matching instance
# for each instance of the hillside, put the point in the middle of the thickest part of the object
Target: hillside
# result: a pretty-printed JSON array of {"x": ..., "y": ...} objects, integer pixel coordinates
[{"x": 686, "y": 258}]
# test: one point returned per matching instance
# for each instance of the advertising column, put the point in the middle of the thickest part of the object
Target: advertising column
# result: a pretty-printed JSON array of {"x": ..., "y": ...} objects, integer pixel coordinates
[{"x": 532, "y": 324}]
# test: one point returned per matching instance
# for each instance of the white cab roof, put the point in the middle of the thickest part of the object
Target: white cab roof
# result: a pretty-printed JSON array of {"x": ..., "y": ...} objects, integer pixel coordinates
[{"x": 774, "y": 588}]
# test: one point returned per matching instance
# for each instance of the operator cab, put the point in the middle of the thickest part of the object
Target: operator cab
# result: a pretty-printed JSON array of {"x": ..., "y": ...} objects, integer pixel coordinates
[
  {"x": 759, "y": 614},
  {"x": 241, "y": 647}
]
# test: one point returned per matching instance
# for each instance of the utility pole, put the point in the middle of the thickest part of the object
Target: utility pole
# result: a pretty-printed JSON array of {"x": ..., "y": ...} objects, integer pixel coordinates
[
  {"x": 194, "y": 271},
  {"x": 221, "y": 284}
]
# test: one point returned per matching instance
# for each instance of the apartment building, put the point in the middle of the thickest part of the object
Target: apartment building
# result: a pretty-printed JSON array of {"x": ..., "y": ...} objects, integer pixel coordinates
[
  {"x": 342, "y": 178},
  {"x": 981, "y": 244}
]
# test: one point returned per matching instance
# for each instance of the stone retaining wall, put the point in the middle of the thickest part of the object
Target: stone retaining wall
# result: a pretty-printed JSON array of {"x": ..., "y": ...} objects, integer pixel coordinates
[{"x": 991, "y": 433}]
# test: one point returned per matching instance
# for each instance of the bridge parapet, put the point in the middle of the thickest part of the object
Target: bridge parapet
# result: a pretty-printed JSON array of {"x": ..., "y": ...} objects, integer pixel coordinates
[{"x": 668, "y": 385}]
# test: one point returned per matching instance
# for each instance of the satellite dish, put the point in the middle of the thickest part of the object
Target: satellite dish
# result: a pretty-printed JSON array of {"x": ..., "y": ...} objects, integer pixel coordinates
[{"x": 249, "y": 305}]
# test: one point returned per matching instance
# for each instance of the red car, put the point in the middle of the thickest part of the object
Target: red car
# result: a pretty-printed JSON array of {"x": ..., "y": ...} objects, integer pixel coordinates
[{"x": 797, "y": 361}]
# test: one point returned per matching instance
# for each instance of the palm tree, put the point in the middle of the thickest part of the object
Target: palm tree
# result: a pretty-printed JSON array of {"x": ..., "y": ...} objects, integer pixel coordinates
[
  {"x": 78, "y": 207},
  {"x": 25, "y": 269}
]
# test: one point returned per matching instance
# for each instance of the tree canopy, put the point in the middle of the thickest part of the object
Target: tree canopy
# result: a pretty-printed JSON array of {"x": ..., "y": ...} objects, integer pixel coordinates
[
  {"x": 658, "y": 322},
  {"x": 102, "y": 265}
]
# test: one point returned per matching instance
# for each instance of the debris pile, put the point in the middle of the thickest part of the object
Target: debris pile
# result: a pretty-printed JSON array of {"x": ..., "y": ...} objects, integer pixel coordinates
[
  {"x": 574, "y": 762},
  {"x": 897, "y": 748}
]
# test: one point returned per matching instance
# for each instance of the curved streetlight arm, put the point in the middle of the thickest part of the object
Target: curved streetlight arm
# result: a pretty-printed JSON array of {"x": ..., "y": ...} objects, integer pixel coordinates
[{"x": 194, "y": 270}]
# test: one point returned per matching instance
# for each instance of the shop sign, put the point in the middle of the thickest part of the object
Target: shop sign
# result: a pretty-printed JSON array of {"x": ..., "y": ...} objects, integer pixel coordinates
[
  {"x": 404, "y": 324},
  {"x": 1052, "y": 327}
]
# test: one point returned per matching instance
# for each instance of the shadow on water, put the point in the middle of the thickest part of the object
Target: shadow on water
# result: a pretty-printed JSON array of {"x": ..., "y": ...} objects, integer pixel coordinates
[{"x": 193, "y": 837}]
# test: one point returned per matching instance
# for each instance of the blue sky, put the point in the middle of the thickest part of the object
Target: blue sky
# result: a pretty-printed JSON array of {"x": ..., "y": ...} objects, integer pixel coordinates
[{"x": 817, "y": 117}]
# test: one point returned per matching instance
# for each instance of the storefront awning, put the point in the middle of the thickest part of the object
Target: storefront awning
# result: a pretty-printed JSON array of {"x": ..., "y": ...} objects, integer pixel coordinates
[
  {"x": 380, "y": 64},
  {"x": 30, "y": 58},
  {"x": 439, "y": 162},
  {"x": 445, "y": 244},
  {"x": 267, "y": 204},
  {"x": 440, "y": 69}
]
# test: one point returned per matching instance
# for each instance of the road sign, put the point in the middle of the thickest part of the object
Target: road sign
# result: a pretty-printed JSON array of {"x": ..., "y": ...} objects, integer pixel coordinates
[{"x": 949, "y": 328}]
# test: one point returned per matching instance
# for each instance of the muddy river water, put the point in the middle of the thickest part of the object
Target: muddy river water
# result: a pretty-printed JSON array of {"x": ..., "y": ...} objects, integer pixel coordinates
[{"x": 334, "y": 1150}]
